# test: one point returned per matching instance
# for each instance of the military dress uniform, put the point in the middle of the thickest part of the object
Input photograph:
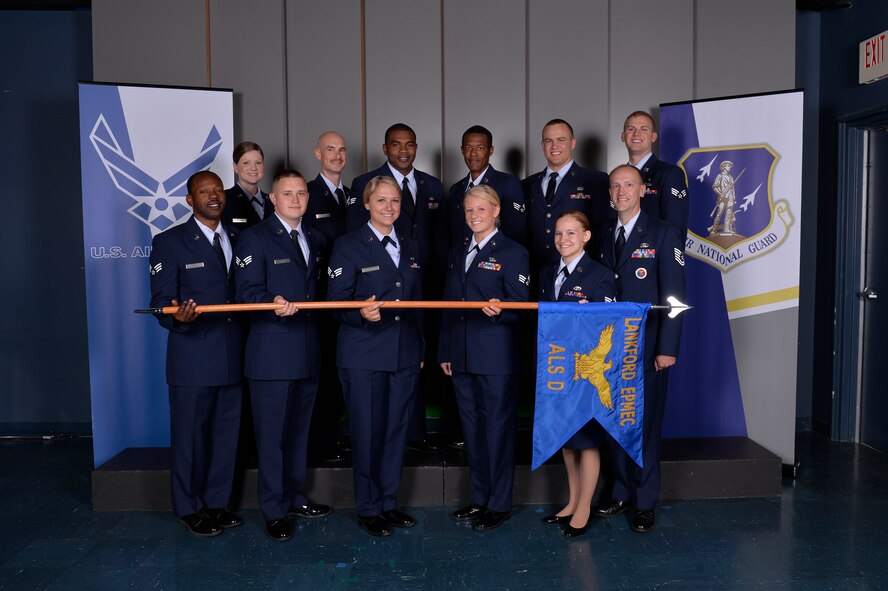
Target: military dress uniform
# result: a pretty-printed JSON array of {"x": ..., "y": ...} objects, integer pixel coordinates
[
  {"x": 281, "y": 357},
  {"x": 378, "y": 361},
  {"x": 580, "y": 189},
  {"x": 483, "y": 353},
  {"x": 593, "y": 282},
  {"x": 512, "y": 210},
  {"x": 427, "y": 227},
  {"x": 650, "y": 269},
  {"x": 665, "y": 194},
  {"x": 239, "y": 211},
  {"x": 326, "y": 214},
  {"x": 203, "y": 367}
]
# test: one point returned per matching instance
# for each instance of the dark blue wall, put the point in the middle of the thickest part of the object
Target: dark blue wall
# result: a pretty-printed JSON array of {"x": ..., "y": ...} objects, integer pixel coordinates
[
  {"x": 44, "y": 373},
  {"x": 840, "y": 97}
]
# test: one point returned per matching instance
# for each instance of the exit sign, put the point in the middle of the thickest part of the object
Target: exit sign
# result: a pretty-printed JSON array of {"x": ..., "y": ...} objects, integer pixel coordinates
[{"x": 873, "y": 63}]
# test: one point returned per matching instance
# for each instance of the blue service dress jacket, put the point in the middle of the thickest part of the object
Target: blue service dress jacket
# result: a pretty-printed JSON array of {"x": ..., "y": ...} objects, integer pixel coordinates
[
  {"x": 324, "y": 213},
  {"x": 239, "y": 212},
  {"x": 590, "y": 281},
  {"x": 512, "y": 211},
  {"x": 471, "y": 341},
  {"x": 360, "y": 267},
  {"x": 428, "y": 226},
  {"x": 269, "y": 264},
  {"x": 650, "y": 269},
  {"x": 581, "y": 189},
  {"x": 666, "y": 194},
  {"x": 184, "y": 265}
]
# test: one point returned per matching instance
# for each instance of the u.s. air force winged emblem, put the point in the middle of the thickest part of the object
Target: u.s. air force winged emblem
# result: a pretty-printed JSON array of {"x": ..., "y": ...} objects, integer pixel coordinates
[
  {"x": 158, "y": 204},
  {"x": 736, "y": 218},
  {"x": 592, "y": 365}
]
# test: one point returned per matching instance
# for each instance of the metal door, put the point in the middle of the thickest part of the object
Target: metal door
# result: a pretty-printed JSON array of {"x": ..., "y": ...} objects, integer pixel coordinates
[{"x": 874, "y": 295}]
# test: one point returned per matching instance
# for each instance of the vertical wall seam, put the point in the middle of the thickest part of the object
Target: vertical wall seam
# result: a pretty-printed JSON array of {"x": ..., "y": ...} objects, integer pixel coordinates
[
  {"x": 363, "y": 89},
  {"x": 286, "y": 83},
  {"x": 526, "y": 87},
  {"x": 209, "y": 59},
  {"x": 441, "y": 158}
]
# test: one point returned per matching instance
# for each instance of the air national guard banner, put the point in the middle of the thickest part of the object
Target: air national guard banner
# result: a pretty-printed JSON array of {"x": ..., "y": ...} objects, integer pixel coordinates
[
  {"x": 589, "y": 366},
  {"x": 138, "y": 146},
  {"x": 742, "y": 159}
]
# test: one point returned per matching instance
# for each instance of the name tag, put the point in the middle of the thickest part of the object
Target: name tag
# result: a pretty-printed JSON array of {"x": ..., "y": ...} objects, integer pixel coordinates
[
  {"x": 281, "y": 261},
  {"x": 194, "y": 266},
  {"x": 370, "y": 269},
  {"x": 321, "y": 216},
  {"x": 238, "y": 220}
]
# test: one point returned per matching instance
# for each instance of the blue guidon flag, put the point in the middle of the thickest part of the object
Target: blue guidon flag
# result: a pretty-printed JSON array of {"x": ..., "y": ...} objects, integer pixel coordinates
[{"x": 590, "y": 365}]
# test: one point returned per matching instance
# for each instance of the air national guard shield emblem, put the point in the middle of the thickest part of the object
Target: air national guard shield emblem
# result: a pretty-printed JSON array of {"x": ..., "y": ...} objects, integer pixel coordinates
[{"x": 735, "y": 219}]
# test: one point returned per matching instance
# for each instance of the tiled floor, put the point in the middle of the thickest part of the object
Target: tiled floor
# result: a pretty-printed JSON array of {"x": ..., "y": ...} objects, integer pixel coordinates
[{"x": 825, "y": 532}]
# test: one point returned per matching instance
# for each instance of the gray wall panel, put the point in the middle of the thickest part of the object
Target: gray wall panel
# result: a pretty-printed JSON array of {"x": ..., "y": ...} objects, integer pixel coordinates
[
  {"x": 744, "y": 47},
  {"x": 403, "y": 72},
  {"x": 324, "y": 79},
  {"x": 568, "y": 75},
  {"x": 484, "y": 79},
  {"x": 158, "y": 42},
  {"x": 767, "y": 374},
  {"x": 642, "y": 74},
  {"x": 247, "y": 55}
]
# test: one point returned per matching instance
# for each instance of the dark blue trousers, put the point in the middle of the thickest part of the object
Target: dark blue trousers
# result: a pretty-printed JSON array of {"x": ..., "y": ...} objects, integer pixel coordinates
[
  {"x": 641, "y": 486},
  {"x": 379, "y": 406},
  {"x": 282, "y": 417},
  {"x": 204, "y": 425},
  {"x": 488, "y": 409}
]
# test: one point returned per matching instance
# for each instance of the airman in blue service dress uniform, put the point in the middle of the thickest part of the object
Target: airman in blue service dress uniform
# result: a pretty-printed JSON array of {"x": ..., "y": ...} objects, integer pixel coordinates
[
  {"x": 246, "y": 205},
  {"x": 190, "y": 265},
  {"x": 666, "y": 191},
  {"x": 647, "y": 258},
  {"x": 479, "y": 350},
  {"x": 477, "y": 148},
  {"x": 571, "y": 187},
  {"x": 379, "y": 351},
  {"x": 277, "y": 262},
  {"x": 423, "y": 218},
  {"x": 326, "y": 215},
  {"x": 577, "y": 278}
]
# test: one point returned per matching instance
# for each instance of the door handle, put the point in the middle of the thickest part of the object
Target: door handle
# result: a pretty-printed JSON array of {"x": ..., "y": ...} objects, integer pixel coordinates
[{"x": 868, "y": 293}]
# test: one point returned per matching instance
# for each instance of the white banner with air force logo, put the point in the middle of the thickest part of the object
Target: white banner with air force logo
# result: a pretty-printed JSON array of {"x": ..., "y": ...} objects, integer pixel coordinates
[{"x": 138, "y": 146}]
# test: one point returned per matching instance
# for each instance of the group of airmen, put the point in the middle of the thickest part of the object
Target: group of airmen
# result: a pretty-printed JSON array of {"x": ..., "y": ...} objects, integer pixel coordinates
[{"x": 566, "y": 233}]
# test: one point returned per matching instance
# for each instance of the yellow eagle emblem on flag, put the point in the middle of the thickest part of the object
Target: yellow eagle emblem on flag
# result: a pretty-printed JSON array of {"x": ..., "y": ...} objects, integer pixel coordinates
[{"x": 592, "y": 365}]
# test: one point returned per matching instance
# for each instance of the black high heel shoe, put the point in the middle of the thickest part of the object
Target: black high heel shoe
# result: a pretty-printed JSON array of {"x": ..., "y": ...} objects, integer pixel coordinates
[
  {"x": 556, "y": 519},
  {"x": 571, "y": 532}
]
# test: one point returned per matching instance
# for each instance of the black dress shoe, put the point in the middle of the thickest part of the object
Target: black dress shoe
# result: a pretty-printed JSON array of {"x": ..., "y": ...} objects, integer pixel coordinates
[
  {"x": 398, "y": 518},
  {"x": 611, "y": 508},
  {"x": 201, "y": 524},
  {"x": 311, "y": 511},
  {"x": 491, "y": 520},
  {"x": 571, "y": 532},
  {"x": 279, "y": 530},
  {"x": 468, "y": 512},
  {"x": 460, "y": 445},
  {"x": 424, "y": 446},
  {"x": 224, "y": 517},
  {"x": 556, "y": 519},
  {"x": 375, "y": 525},
  {"x": 643, "y": 520}
]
